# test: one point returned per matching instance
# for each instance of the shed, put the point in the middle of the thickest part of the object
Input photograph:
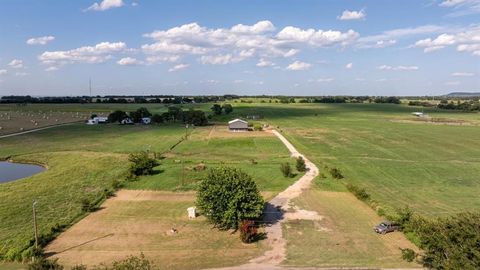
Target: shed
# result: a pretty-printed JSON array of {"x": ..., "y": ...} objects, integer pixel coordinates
[
  {"x": 146, "y": 120},
  {"x": 238, "y": 125}
]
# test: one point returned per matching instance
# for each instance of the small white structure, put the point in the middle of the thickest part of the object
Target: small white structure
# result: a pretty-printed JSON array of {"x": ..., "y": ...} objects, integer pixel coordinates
[
  {"x": 92, "y": 122},
  {"x": 238, "y": 125},
  {"x": 192, "y": 212},
  {"x": 418, "y": 114},
  {"x": 146, "y": 120},
  {"x": 126, "y": 121}
]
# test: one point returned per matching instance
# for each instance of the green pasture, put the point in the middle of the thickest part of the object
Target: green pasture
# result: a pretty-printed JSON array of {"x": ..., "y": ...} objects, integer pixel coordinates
[{"x": 433, "y": 168}]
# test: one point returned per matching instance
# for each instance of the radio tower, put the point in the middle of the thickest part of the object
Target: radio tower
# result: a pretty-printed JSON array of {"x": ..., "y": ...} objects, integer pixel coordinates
[{"x": 90, "y": 86}]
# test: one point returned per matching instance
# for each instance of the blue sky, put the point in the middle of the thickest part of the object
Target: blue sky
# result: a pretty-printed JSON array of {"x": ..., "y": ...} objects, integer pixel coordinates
[{"x": 297, "y": 47}]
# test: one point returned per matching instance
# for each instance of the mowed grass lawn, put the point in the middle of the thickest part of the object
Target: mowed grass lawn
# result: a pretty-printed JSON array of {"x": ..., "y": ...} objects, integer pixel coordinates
[
  {"x": 84, "y": 160},
  {"x": 433, "y": 168},
  {"x": 343, "y": 237}
]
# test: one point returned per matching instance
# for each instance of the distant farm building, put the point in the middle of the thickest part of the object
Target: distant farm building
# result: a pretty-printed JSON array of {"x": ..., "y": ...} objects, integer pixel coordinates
[
  {"x": 126, "y": 121},
  {"x": 97, "y": 120},
  {"x": 146, "y": 120},
  {"x": 238, "y": 125},
  {"x": 419, "y": 114}
]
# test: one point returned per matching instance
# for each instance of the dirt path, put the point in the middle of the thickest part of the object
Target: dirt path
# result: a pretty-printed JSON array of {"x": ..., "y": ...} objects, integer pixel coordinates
[
  {"x": 278, "y": 210},
  {"x": 35, "y": 130}
]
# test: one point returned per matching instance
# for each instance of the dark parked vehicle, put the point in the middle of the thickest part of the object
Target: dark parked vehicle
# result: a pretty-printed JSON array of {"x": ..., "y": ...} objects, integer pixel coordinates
[{"x": 386, "y": 227}]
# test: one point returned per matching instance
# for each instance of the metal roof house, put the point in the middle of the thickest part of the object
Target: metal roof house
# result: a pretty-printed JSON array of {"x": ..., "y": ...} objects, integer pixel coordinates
[{"x": 238, "y": 125}]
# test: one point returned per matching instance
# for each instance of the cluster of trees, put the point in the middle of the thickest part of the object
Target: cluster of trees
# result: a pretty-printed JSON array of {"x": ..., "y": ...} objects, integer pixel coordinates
[
  {"x": 393, "y": 100},
  {"x": 174, "y": 114},
  {"x": 447, "y": 242},
  {"x": 461, "y": 106},
  {"x": 217, "y": 109}
]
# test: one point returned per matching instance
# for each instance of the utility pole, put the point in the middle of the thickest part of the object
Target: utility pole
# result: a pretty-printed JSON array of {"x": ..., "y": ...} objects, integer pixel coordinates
[
  {"x": 90, "y": 86},
  {"x": 35, "y": 223},
  {"x": 186, "y": 131}
]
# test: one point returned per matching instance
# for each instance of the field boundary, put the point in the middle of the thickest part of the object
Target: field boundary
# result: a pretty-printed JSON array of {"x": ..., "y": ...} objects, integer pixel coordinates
[{"x": 38, "y": 129}]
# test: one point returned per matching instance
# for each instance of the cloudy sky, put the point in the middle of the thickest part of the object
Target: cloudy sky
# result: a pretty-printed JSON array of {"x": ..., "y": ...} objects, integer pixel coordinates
[{"x": 296, "y": 47}]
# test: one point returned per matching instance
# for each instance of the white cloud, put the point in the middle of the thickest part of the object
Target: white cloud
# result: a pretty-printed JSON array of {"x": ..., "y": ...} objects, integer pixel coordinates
[
  {"x": 53, "y": 68},
  {"x": 218, "y": 59},
  {"x": 3, "y": 71},
  {"x": 258, "y": 28},
  {"x": 210, "y": 81},
  {"x": 466, "y": 41},
  {"x": 40, "y": 40},
  {"x": 238, "y": 81},
  {"x": 264, "y": 63},
  {"x": 240, "y": 42},
  {"x": 461, "y": 7},
  {"x": 401, "y": 68},
  {"x": 298, "y": 65},
  {"x": 129, "y": 61},
  {"x": 178, "y": 67},
  {"x": 168, "y": 58},
  {"x": 99, "y": 53},
  {"x": 16, "y": 63},
  {"x": 105, "y": 5},
  {"x": 462, "y": 74},
  {"x": 21, "y": 74},
  {"x": 352, "y": 15},
  {"x": 349, "y": 66},
  {"x": 325, "y": 80},
  {"x": 134, "y": 4},
  {"x": 451, "y": 3},
  {"x": 391, "y": 37}
]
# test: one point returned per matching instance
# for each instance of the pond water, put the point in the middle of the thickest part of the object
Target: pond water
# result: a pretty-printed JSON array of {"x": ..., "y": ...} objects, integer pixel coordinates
[{"x": 12, "y": 171}]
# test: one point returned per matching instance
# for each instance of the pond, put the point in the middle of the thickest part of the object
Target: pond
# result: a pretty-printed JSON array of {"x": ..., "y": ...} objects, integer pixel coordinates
[{"x": 12, "y": 171}]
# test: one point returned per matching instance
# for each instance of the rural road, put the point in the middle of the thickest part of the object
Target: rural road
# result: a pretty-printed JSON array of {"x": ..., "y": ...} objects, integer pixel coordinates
[
  {"x": 35, "y": 130},
  {"x": 276, "y": 213}
]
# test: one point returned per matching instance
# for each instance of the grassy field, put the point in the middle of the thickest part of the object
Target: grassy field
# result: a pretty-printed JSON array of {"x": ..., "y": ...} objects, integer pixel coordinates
[
  {"x": 83, "y": 160},
  {"x": 432, "y": 167},
  {"x": 343, "y": 237}
]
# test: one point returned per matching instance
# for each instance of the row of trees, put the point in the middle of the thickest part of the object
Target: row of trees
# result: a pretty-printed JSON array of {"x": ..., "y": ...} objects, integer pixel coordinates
[
  {"x": 217, "y": 109},
  {"x": 174, "y": 114}
]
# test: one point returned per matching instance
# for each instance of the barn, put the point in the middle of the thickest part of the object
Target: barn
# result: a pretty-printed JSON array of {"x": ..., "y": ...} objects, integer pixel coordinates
[{"x": 238, "y": 125}]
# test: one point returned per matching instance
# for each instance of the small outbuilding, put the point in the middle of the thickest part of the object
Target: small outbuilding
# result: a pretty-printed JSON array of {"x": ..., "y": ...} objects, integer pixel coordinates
[
  {"x": 238, "y": 125},
  {"x": 126, "y": 121},
  {"x": 419, "y": 114},
  {"x": 146, "y": 120}
]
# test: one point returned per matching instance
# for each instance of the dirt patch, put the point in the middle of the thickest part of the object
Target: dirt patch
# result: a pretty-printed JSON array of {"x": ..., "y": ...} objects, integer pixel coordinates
[
  {"x": 142, "y": 221},
  {"x": 437, "y": 121},
  {"x": 219, "y": 131}
]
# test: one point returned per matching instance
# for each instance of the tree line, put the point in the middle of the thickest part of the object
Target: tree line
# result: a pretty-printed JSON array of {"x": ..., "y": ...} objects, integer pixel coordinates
[{"x": 173, "y": 115}]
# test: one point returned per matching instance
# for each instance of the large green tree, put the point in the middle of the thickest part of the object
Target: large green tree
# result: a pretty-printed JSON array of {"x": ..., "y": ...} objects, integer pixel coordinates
[{"x": 228, "y": 196}]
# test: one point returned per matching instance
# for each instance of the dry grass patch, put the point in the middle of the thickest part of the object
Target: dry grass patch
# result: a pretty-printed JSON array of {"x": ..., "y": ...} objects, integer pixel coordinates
[{"x": 140, "y": 221}]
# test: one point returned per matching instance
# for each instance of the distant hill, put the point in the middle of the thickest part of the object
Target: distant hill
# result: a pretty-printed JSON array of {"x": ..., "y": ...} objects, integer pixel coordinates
[{"x": 463, "y": 94}]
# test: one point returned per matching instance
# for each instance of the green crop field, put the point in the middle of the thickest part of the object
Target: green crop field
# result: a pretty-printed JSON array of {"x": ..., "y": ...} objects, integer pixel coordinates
[{"x": 431, "y": 166}]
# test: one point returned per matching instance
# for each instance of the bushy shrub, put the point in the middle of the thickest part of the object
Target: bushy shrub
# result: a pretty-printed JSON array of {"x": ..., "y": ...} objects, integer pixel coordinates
[
  {"x": 41, "y": 263},
  {"x": 360, "y": 193},
  {"x": 408, "y": 254},
  {"x": 257, "y": 127},
  {"x": 130, "y": 263},
  {"x": 336, "y": 173},
  {"x": 141, "y": 164},
  {"x": 286, "y": 169},
  {"x": 248, "y": 231},
  {"x": 228, "y": 196},
  {"x": 301, "y": 167}
]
